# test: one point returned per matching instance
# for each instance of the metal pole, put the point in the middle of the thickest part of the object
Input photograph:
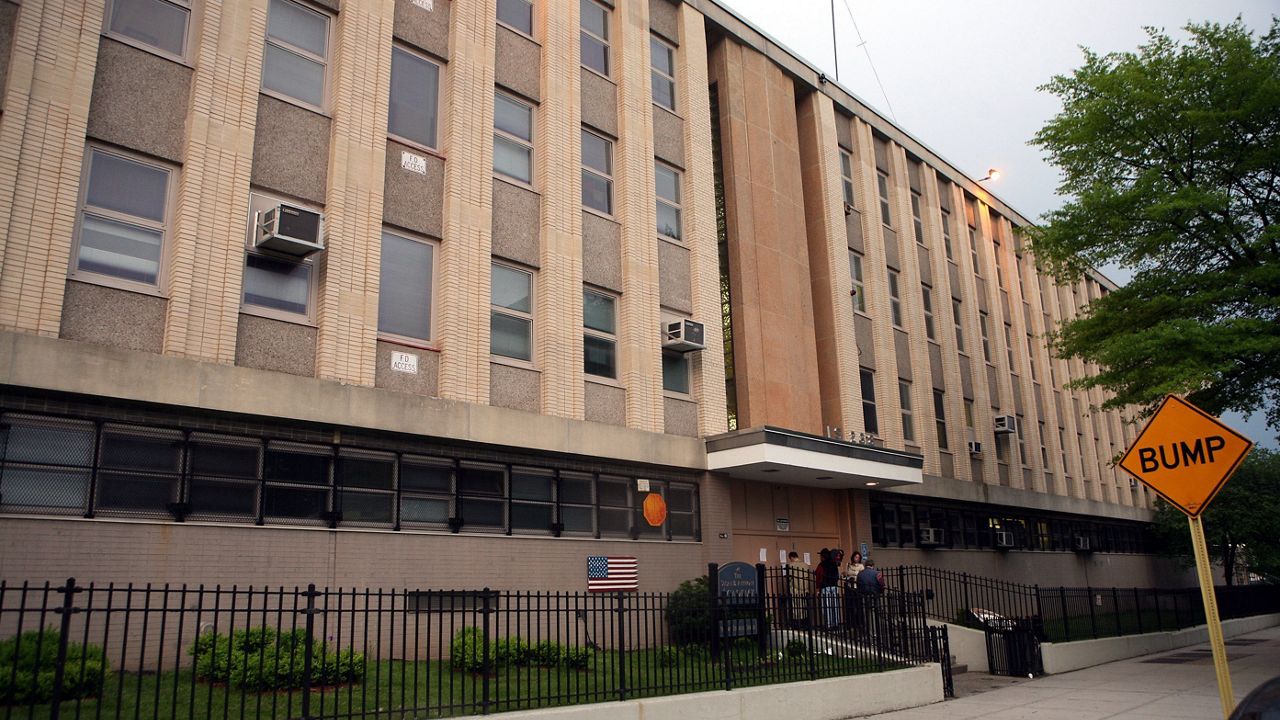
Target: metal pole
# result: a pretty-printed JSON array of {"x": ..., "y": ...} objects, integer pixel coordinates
[
  {"x": 308, "y": 649},
  {"x": 835, "y": 50},
  {"x": 1211, "y": 616},
  {"x": 64, "y": 633}
]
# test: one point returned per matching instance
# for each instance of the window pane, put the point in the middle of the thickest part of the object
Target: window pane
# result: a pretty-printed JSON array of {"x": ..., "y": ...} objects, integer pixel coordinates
[
  {"x": 668, "y": 220},
  {"x": 667, "y": 182},
  {"x": 288, "y": 73},
  {"x": 595, "y": 54},
  {"x": 480, "y": 480},
  {"x": 127, "y": 186},
  {"x": 531, "y": 486},
  {"x": 599, "y": 356},
  {"x": 510, "y": 289},
  {"x": 404, "y": 294},
  {"x": 575, "y": 489},
  {"x": 30, "y": 486},
  {"x": 366, "y": 472},
  {"x": 613, "y": 492},
  {"x": 598, "y": 312},
  {"x": 594, "y": 18},
  {"x": 681, "y": 525},
  {"x": 292, "y": 502},
  {"x": 597, "y": 192},
  {"x": 120, "y": 250},
  {"x": 415, "y": 87},
  {"x": 576, "y": 519},
  {"x": 223, "y": 460},
  {"x": 424, "y": 476},
  {"x": 282, "y": 465},
  {"x": 424, "y": 510},
  {"x": 298, "y": 26},
  {"x": 157, "y": 23},
  {"x": 126, "y": 491},
  {"x": 512, "y": 159},
  {"x": 661, "y": 56},
  {"x": 526, "y": 516},
  {"x": 367, "y": 507},
  {"x": 675, "y": 372},
  {"x": 516, "y": 13},
  {"x": 680, "y": 499},
  {"x": 485, "y": 513},
  {"x": 664, "y": 90},
  {"x": 512, "y": 117},
  {"x": 277, "y": 284},
  {"x": 615, "y": 521},
  {"x": 596, "y": 153},
  {"x": 140, "y": 452},
  {"x": 510, "y": 336},
  {"x": 224, "y": 498},
  {"x": 37, "y": 442}
]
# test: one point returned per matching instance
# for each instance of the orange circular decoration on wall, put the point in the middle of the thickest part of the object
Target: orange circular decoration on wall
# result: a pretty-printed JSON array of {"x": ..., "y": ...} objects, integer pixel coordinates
[{"x": 655, "y": 509}]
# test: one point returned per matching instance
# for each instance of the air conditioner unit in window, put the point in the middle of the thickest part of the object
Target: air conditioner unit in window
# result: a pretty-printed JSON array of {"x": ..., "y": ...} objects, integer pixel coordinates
[
  {"x": 1006, "y": 424},
  {"x": 1080, "y": 543},
  {"x": 683, "y": 336},
  {"x": 975, "y": 447},
  {"x": 930, "y": 537},
  {"x": 289, "y": 230},
  {"x": 1004, "y": 539},
  {"x": 848, "y": 209}
]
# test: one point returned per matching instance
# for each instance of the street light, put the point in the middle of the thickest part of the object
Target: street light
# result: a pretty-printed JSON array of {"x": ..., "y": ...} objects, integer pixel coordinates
[{"x": 992, "y": 174}]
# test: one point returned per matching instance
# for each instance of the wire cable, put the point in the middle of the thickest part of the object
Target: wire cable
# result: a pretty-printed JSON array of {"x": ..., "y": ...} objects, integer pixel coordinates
[{"x": 862, "y": 43}]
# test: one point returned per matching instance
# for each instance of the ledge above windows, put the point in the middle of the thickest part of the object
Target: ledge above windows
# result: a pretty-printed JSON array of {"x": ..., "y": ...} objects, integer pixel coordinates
[{"x": 788, "y": 457}]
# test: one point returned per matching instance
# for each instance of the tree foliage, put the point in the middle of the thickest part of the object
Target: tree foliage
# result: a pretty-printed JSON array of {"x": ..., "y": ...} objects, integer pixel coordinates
[
  {"x": 1242, "y": 524},
  {"x": 1169, "y": 158}
]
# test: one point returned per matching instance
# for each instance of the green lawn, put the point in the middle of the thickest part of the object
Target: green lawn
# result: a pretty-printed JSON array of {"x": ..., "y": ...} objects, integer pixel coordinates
[
  {"x": 1110, "y": 624},
  {"x": 396, "y": 689}
]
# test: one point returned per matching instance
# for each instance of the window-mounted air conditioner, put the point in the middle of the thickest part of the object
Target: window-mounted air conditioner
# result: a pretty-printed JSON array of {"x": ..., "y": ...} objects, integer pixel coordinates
[
  {"x": 1004, "y": 539},
  {"x": 930, "y": 536},
  {"x": 975, "y": 447},
  {"x": 289, "y": 230},
  {"x": 848, "y": 209},
  {"x": 1006, "y": 424},
  {"x": 683, "y": 336},
  {"x": 1080, "y": 543}
]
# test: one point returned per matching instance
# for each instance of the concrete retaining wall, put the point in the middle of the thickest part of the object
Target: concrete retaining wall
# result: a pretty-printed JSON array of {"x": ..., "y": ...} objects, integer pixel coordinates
[
  {"x": 1065, "y": 657},
  {"x": 969, "y": 646},
  {"x": 815, "y": 700}
]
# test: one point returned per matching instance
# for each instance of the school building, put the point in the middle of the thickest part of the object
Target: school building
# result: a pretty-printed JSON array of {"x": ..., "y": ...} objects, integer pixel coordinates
[{"x": 456, "y": 293}]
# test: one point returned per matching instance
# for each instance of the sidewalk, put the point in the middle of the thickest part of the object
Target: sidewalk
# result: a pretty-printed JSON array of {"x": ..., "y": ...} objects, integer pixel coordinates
[{"x": 1167, "y": 686}]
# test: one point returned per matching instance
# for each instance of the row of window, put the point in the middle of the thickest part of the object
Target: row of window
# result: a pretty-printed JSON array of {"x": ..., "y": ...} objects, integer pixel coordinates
[
  {"x": 63, "y": 466},
  {"x": 895, "y": 524}
]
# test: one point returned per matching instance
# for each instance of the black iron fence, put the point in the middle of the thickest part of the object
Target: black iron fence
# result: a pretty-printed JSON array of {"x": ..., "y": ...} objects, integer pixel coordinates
[{"x": 178, "y": 651}]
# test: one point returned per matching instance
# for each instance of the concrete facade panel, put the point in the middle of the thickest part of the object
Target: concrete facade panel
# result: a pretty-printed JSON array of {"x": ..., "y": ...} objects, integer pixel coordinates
[
  {"x": 424, "y": 382},
  {"x": 515, "y": 223},
  {"x": 673, "y": 269},
  {"x": 664, "y": 19},
  {"x": 514, "y": 387},
  {"x": 853, "y": 231},
  {"x": 516, "y": 63},
  {"x": 599, "y": 103},
  {"x": 291, "y": 150},
  {"x": 425, "y": 29},
  {"x": 935, "y": 367},
  {"x": 902, "y": 351},
  {"x": 891, "y": 256},
  {"x": 966, "y": 378},
  {"x": 866, "y": 341},
  {"x": 107, "y": 316},
  {"x": 605, "y": 404},
  {"x": 925, "y": 264},
  {"x": 680, "y": 417},
  {"x": 8, "y": 18},
  {"x": 411, "y": 200},
  {"x": 139, "y": 101},
  {"x": 601, "y": 252},
  {"x": 266, "y": 344},
  {"x": 668, "y": 134}
]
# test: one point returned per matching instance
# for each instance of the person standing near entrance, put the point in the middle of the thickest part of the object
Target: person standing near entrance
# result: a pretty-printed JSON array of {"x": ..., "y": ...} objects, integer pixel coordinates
[
  {"x": 829, "y": 589},
  {"x": 799, "y": 585}
]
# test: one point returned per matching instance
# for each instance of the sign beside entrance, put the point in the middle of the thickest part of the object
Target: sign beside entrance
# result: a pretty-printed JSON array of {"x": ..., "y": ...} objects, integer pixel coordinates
[
  {"x": 738, "y": 583},
  {"x": 1185, "y": 455}
]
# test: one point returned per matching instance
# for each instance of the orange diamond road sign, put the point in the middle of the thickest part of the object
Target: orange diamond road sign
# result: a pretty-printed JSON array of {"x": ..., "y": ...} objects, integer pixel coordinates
[{"x": 1185, "y": 455}]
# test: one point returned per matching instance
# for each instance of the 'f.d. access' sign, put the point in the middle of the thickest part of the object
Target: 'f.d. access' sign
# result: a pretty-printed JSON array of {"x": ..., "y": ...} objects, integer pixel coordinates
[{"x": 1185, "y": 455}]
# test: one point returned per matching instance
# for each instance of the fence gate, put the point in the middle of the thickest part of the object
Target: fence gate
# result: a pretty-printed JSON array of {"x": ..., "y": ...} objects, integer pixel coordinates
[{"x": 1013, "y": 647}]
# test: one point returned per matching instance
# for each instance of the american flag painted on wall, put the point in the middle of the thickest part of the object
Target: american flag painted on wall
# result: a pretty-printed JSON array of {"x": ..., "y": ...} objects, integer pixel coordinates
[{"x": 612, "y": 574}]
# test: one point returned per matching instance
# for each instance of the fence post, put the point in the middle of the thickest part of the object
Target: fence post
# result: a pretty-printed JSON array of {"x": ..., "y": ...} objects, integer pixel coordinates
[
  {"x": 965, "y": 585},
  {"x": 1137, "y": 607},
  {"x": 486, "y": 609},
  {"x": 713, "y": 595},
  {"x": 308, "y": 649},
  {"x": 1066, "y": 619},
  {"x": 761, "y": 613},
  {"x": 1093, "y": 615},
  {"x": 64, "y": 632},
  {"x": 1115, "y": 604},
  {"x": 1177, "y": 610},
  {"x": 1159, "y": 620},
  {"x": 622, "y": 645}
]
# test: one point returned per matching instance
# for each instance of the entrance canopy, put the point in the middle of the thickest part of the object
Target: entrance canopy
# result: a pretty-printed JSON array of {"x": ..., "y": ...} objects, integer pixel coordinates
[{"x": 787, "y": 457}]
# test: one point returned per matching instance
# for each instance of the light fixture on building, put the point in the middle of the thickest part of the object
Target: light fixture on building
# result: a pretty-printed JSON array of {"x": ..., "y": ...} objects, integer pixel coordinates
[
  {"x": 872, "y": 484},
  {"x": 992, "y": 174}
]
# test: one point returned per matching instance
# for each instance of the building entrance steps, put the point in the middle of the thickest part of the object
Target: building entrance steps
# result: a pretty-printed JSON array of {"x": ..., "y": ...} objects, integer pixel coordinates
[{"x": 1169, "y": 685}]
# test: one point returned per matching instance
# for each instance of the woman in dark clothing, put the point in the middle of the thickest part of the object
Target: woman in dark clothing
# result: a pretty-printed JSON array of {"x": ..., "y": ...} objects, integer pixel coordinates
[{"x": 829, "y": 588}]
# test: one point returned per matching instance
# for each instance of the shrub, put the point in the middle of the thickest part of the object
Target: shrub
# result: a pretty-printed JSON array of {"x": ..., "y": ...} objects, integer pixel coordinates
[
  {"x": 547, "y": 653},
  {"x": 689, "y": 612},
  {"x": 466, "y": 650},
  {"x": 796, "y": 648},
  {"x": 668, "y": 656},
  {"x": 576, "y": 658},
  {"x": 27, "y": 668},
  {"x": 264, "y": 659}
]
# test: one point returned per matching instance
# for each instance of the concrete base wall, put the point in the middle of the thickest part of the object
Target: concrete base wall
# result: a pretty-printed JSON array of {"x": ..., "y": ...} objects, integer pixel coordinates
[
  {"x": 831, "y": 699},
  {"x": 1047, "y": 568},
  {"x": 1065, "y": 657},
  {"x": 969, "y": 646}
]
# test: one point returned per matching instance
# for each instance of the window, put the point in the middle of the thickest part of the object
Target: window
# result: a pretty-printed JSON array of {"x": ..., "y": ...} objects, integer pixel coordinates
[
  {"x": 986, "y": 339},
  {"x": 597, "y": 172},
  {"x": 955, "y": 318},
  {"x": 904, "y": 398},
  {"x": 973, "y": 251},
  {"x": 615, "y": 509},
  {"x": 139, "y": 469},
  {"x": 595, "y": 36},
  {"x": 682, "y": 511},
  {"x": 511, "y": 313},
  {"x": 926, "y": 296},
  {"x": 512, "y": 138},
  {"x": 916, "y": 223},
  {"x": 599, "y": 334},
  {"x": 122, "y": 220},
  {"x": 161, "y": 24},
  {"x": 1031, "y": 358},
  {"x": 46, "y": 464},
  {"x": 481, "y": 496},
  {"x": 297, "y": 481},
  {"x": 859, "y": 289},
  {"x": 675, "y": 372},
  {"x": 1022, "y": 441},
  {"x": 223, "y": 476},
  {"x": 895, "y": 302},
  {"x": 275, "y": 286},
  {"x": 426, "y": 491},
  {"x": 940, "y": 417},
  {"x": 293, "y": 64},
  {"x": 946, "y": 233},
  {"x": 577, "y": 503},
  {"x": 1044, "y": 447},
  {"x": 532, "y": 499},
  {"x": 405, "y": 287},
  {"x": 366, "y": 487},
  {"x": 667, "y": 180},
  {"x": 968, "y": 414},
  {"x": 517, "y": 15},
  {"x": 882, "y": 184},
  {"x": 1008, "y": 347},
  {"x": 870, "y": 422},
  {"x": 415, "y": 93},
  {"x": 662, "y": 58},
  {"x": 846, "y": 176}
]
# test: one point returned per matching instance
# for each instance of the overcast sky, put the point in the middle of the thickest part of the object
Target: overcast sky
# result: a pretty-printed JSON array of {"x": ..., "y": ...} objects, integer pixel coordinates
[{"x": 961, "y": 77}]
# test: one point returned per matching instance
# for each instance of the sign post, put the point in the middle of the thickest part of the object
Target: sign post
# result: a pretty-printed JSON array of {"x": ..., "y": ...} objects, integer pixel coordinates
[{"x": 1186, "y": 456}]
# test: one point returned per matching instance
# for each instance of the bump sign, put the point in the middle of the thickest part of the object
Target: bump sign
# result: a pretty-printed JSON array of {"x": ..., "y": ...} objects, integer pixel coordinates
[{"x": 1185, "y": 455}]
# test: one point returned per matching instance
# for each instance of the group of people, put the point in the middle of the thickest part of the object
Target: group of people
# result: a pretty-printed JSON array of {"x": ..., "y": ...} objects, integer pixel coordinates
[{"x": 859, "y": 579}]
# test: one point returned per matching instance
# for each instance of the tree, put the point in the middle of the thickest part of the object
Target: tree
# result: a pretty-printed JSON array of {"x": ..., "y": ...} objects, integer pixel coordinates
[
  {"x": 1169, "y": 158},
  {"x": 1241, "y": 524}
]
